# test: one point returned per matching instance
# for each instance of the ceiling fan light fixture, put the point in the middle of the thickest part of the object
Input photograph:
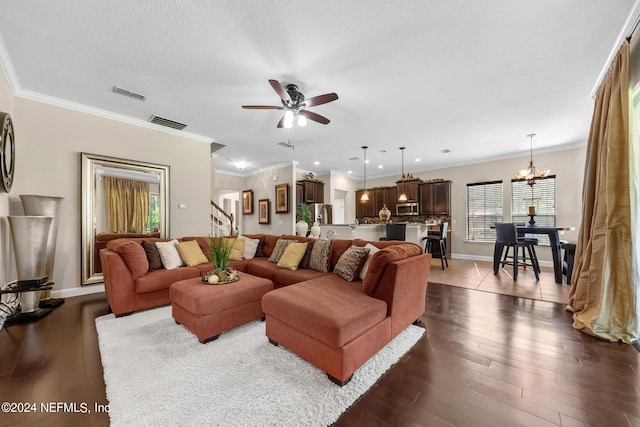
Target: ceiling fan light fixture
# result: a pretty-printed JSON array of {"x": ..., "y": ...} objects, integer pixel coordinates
[{"x": 302, "y": 120}]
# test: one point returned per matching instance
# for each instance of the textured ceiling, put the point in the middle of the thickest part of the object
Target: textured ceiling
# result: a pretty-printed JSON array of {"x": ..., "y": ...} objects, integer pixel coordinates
[{"x": 471, "y": 77}]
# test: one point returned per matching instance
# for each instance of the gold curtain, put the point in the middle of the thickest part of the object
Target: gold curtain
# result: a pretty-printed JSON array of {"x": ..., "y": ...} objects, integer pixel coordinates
[
  {"x": 603, "y": 295},
  {"x": 127, "y": 203}
]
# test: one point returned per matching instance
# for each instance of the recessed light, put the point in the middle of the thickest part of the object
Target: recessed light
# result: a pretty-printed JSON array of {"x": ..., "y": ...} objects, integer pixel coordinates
[
  {"x": 349, "y": 172},
  {"x": 316, "y": 163},
  {"x": 417, "y": 160},
  {"x": 380, "y": 166},
  {"x": 366, "y": 161}
]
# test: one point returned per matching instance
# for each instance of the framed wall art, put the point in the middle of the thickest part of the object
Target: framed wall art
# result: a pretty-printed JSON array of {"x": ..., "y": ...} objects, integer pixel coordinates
[
  {"x": 247, "y": 202},
  {"x": 282, "y": 198},
  {"x": 263, "y": 211}
]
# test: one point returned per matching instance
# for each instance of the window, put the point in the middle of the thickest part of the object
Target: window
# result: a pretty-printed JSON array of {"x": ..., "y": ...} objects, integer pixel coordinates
[
  {"x": 484, "y": 209},
  {"x": 542, "y": 196},
  {"x": 153, "y": 218}
]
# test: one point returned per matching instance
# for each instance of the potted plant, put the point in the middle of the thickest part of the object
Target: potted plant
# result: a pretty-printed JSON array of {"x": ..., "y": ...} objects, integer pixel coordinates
[
  {"x": 220, "y": 250},
  {"x": 304, "y": 219}
]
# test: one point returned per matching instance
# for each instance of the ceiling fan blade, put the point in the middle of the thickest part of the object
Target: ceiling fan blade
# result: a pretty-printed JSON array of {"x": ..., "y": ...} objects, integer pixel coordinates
[
  {"x": 315, "y": 117},
  {"x": 282, "y": 93},
  {"x": 320, "y": 99},
  {"x": 262, "y": 107},
  {"x": 281, "y": 123}
]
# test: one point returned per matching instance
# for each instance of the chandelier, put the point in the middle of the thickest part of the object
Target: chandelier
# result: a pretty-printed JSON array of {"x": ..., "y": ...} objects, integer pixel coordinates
[{"x": 530, "y": 174}]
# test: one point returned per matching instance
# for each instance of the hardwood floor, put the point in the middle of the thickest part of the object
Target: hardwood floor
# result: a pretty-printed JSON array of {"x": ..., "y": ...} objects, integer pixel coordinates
[{"x": 486, "y": 359}]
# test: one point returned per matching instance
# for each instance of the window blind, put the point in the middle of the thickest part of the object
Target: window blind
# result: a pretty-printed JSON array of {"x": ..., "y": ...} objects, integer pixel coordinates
[
  {"x": 484, "y": 209},
  {"x": 541, "y": 195}
]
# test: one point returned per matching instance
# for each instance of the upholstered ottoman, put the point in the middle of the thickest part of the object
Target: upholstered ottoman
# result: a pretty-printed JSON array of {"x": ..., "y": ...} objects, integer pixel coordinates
[{"x": 209, "y": 310}]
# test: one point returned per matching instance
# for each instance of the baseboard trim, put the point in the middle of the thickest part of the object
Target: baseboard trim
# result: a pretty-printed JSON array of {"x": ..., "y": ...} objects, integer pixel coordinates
[
  {"x": 490, "y": 259},
  {"x": 75, "y": 292}
]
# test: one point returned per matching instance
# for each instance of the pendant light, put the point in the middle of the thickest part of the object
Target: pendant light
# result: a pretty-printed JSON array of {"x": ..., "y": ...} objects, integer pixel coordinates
[
  {"x": 403, "y": 195},
  {"x": 365, "y": 195}
]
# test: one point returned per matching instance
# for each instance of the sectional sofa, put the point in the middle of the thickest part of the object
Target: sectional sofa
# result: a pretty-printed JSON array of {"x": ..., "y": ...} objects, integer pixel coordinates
[{"x": 335, "y": 324}]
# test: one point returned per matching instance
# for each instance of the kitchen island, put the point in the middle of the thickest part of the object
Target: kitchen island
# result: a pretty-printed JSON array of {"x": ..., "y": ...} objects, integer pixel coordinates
[{"x": 415, "y": 232}]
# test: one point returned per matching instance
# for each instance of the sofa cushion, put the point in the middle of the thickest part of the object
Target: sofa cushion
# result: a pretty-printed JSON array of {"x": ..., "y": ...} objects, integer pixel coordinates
[
  {"x": 162, "y": 279},
  {"x": 191, "y": 253},
  {"x": 327, "y": 308},
  {"x": 278, "y": 250},
  {"x": 169, "y": 254},
  {"x": 283, "y": 277},
  {"x": 319, "y": 260},
  {"x": 269, "y": 244},
  {"x": 153, "y": 256},
  {"x": 292, "y": 256},
  {"x": 365, "y": 266},
  {"x": 133, "y": 254},
  {"x": 350, "y": 263},
  {"x": 381, "y": 259},
  {"x": 261, "y": 267}
]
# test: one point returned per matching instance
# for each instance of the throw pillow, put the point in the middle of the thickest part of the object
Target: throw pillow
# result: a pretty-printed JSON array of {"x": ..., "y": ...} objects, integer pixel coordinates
[
  {"x": 169, "y": 254},
  {"x": 351, "y": 262},
  {"x": 307, "y": 255},
  {"x": 260, "y": 249},
  {"x": 292, "y": 256},
  {"x": 237, "y": 250},
  {"x": 153, "y": 256},
  {"x": 365, "y": 267},
  {"x": 250, "y": 247},
  {"x": 134, "y": 256},
  {"x": 319, "y": 260},
  {"x": 191, "y": 253},
  {"x": 278, "y": 250}
]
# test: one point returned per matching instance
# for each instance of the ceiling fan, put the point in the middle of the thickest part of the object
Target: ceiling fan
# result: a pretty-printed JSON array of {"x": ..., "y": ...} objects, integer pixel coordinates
[{"x": 294, "y": 104}]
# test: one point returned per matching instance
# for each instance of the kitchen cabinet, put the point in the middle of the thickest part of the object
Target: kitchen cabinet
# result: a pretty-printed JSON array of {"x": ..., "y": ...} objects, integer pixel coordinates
[
  {"x": 368, "y": 208},
  {"x": 313, "y": 191},
  {"x": 410, "y": 188},
  {"x": 435, "y": 198}
]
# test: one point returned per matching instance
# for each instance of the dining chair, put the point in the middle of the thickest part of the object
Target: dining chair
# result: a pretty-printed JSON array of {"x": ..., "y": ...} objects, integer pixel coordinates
[
  {"x": 507, "y": 238},
  {"x": 441, "y": 240},
  {"x": 395, "y": 232}
]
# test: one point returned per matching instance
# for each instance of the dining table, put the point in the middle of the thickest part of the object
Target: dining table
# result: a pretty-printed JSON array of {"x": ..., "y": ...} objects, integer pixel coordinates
[{"x": 554, "y": 243}]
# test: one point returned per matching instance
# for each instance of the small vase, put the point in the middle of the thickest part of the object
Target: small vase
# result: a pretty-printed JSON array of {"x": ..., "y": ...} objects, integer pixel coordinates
[
  {"x": 301, "y": 228},
  {"x": 384, "y": 213},
  {"x": 315, "y": 230}
]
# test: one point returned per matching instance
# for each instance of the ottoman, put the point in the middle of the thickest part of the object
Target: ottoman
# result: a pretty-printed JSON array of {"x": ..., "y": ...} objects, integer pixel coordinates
[{"x": 209, "y": 310}]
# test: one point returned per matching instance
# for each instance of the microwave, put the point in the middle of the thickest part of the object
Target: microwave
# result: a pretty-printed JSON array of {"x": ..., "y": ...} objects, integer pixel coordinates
[{"x": 406, "y": 209}]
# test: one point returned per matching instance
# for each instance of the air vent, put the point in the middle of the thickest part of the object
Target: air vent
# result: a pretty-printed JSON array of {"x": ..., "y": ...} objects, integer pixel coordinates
[
  {"x": 128, "y": 93},
  {"x": 168, "y": 123},
  {"x": 445, "y": 151},
  {"x": 354, "y": 158},
  {"x": 287, "y": 144}
]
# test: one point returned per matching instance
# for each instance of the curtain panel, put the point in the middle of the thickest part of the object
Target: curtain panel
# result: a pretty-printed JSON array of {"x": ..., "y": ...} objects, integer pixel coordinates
[
  {"x": 603, "y": 297},
  {"x": 127, "y": 205}
]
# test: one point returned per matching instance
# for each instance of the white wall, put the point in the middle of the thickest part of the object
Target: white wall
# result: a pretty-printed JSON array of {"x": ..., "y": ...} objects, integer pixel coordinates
[{"x": 49, "y": 140}]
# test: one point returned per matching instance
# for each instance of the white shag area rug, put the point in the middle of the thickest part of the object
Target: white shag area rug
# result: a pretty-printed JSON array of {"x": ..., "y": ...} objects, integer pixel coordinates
[{"x": 157, "y": 373}]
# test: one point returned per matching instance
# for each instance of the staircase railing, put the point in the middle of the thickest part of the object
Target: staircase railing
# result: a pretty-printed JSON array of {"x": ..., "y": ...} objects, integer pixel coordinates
[{"x": 221, "y": 222}]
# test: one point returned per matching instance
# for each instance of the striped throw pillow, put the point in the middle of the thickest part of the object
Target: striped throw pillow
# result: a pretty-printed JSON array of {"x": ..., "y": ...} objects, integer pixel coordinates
[{"x": 350, "y": 262}]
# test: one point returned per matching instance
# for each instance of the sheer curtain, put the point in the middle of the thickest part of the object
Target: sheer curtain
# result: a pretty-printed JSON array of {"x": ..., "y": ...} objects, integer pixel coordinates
[
  {"x": 604, "y": 290},
  {"x": 127, "y": 205}
]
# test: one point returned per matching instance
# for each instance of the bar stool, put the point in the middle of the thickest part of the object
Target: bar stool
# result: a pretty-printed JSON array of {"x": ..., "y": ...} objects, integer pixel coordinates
[
  {"x": 441, "y": 240},
  {"x": 507, "y": 237}
]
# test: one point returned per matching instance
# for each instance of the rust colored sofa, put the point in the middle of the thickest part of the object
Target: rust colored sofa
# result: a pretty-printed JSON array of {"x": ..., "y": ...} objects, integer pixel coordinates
[{"x": 332, "y": 323}]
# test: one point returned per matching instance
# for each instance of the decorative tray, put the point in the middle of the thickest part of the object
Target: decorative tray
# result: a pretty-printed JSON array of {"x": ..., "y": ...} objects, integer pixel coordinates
[{"x": 232, "y": 276}]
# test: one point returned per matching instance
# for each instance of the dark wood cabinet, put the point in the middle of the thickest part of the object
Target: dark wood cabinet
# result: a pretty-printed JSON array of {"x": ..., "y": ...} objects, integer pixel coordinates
[
  {"x": 435, "y": 198},
  {"x": 312, "y": 191},
  {"x": 410, "y": 188},
  {"x": 368, "y": 208},
  {"x": 389, "y": 198}
]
